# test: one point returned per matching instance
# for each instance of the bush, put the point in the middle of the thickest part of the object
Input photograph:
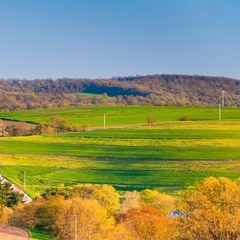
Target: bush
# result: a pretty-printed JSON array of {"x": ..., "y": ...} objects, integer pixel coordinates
[
  {"x": 150, "y": 119},
  {"x": 185, "y": 118}
]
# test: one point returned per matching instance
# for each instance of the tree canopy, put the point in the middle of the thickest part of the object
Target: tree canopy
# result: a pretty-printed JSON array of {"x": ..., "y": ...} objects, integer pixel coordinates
[
  {"x": 183, "y": 90},
  {"x": 8, "y": 197},
  {"x": 213, "y": 210}
]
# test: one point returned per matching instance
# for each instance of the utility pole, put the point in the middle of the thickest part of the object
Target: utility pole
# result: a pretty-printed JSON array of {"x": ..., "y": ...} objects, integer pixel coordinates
[
  {"x": 219, "y": 112},
  {"x": 75, "y": 227},
  {"x": 223, "y": 98},
  {"x": 24, "y": 180},
  {"x": 104, "y": 121}
]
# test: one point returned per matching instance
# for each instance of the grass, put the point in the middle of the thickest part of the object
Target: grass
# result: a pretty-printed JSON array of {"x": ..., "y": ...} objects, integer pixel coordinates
[
  {"x": 122, "y": 115},
  {"x": 89, "y": 94},
  {"x": 38, "y": 234},
  {"x": 51, "y": 171},
  {"x": 168, "y": 156}
]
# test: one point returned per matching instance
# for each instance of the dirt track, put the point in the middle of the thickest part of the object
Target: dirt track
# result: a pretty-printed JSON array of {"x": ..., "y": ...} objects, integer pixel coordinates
[{"x": 13, "y": 233}]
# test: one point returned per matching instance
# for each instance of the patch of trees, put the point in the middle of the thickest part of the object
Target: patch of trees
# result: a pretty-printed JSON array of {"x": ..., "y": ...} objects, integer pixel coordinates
[
  {"x": 209, "y": 210},
  {"x": 16, "y": 94},
  {"x": 91, "y": 212},
  {"x": 213, "y": 209},
  {"x": 20, "y": 128},
  {"x": 8, "y": 197},
  {"x": 3, "y": 132},
  {"x": 55, "y": 125}
]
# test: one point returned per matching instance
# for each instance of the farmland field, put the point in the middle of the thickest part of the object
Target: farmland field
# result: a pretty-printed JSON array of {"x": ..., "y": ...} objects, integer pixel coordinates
[
  {"x": 122, "y": 115},
  {"x": 168, "y": 155}
]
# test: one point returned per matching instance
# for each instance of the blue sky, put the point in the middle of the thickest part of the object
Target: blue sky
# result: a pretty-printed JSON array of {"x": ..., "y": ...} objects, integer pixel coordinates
[{"x": 108, "y": 38}]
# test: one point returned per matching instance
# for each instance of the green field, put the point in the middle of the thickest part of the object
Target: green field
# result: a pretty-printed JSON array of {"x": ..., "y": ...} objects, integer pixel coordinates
[
  {"x": 38, "y": 235},
  {"x": 168, "y": 156},
  {"x": 122, "y": 115}
]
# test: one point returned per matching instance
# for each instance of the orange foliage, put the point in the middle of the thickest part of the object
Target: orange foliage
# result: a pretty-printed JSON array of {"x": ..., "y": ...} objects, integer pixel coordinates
[{"x": 147, "y": 223}]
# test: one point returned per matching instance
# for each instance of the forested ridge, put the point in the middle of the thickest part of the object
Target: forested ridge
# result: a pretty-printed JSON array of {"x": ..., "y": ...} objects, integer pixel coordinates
[{"x": 183, "y": 90}]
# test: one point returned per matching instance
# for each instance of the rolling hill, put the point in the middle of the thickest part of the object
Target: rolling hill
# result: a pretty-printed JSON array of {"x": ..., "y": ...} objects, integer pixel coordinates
[{"x": 155, "y": 90}]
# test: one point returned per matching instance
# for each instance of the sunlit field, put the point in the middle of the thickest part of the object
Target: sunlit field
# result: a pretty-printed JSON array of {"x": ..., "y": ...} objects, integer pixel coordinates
[
  {"x": 168, "y": 156},
  {"x": 123, "y": 115}
]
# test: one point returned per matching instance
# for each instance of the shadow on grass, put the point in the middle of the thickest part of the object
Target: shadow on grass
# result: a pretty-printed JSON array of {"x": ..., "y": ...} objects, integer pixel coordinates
[{"x": 39, "y": 234}]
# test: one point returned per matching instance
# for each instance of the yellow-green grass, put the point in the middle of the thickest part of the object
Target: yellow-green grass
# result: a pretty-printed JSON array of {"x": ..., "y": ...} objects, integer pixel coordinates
[
  {"x": 122, "y": 115},
  {"x": 168, "y": 156},
  {"x": 51, "y": 171},
  {"x": 38, "y": 234}
]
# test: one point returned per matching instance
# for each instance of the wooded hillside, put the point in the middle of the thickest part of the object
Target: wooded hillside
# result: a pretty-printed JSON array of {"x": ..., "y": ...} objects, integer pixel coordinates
[{"x": 139, "y": 90}]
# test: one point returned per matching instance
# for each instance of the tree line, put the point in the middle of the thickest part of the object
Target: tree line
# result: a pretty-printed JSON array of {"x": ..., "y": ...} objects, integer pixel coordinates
[
  {"x": 209, "y": 210},
  {"x": 55, "y": 125},
  {"x": 184, "y": 90}
]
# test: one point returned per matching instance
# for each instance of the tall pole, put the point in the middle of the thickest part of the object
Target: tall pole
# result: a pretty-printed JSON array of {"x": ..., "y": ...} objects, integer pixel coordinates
[
  {"x": 223, "y": 98},
  {"x": 75, "y": 227},
  {"x": 104, "y": 121},
  {"x": 219, "y": 112}
]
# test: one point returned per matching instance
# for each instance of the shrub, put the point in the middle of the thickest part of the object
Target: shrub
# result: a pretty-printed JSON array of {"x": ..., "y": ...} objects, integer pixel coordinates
[{"x": 185, "y": 118}]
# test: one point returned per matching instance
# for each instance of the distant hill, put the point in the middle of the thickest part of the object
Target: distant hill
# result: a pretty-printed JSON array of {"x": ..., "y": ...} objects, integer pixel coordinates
[{"x": 165, "y": 89}]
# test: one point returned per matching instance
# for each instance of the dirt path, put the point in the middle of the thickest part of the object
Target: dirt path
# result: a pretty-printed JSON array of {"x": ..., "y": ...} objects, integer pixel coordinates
[{"x": 13, "y": 233}]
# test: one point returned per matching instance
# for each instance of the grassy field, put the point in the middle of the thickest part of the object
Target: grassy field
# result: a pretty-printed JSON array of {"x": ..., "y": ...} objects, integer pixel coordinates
[
  {"x": 38, "y": 235},
  {"x": 168, "y": 156},
  {"x": 122, "y": 115}
]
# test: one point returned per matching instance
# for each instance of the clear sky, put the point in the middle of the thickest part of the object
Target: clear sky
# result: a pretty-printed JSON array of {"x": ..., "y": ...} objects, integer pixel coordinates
[{"x": 108, "y": 38}]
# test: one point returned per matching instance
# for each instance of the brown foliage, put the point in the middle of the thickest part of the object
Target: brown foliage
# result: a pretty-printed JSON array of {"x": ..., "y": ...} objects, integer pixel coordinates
[
  {"x": 185, "y": 118},
  {"x": 183, "y": 90},
  {"x": 24, "y": 214}
]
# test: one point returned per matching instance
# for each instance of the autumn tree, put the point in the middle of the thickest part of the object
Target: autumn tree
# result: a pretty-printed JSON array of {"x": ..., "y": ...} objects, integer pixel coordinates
[
  {"x": 22, "y": 128},
  {"x": 87, "y": 218},
  {"x": 147, "y": 223},
  {"x": 212, "y": 209},
  {"x": 48, "y": 129},
  {"x": 106, "y": 195},
  {"x": 6, "y": 215},
  {"x": 24, "y": 215},
  {"x": 17, "y": 129},
  {"x": 2, "y": 128},
  {"x": 58, "y": 124},
  {"x": 150, "y": 119},
  {"x": 131, "y": 200},
  {"x": 47, "y": 213},
  {"x": 161, "y": 201},
  {"x": 88, "y": 212},
  {"x": 66, "y": 217},
  {"x": 37, "y": 130},
  {"x": 148, "y": 196}
]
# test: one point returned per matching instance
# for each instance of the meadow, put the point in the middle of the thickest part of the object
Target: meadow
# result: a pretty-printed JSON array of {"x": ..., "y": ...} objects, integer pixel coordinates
[
  {"x": 122, "y": 115},
  {"x": 38, "y": 234},
  {"x": 168, "y": 155}
]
